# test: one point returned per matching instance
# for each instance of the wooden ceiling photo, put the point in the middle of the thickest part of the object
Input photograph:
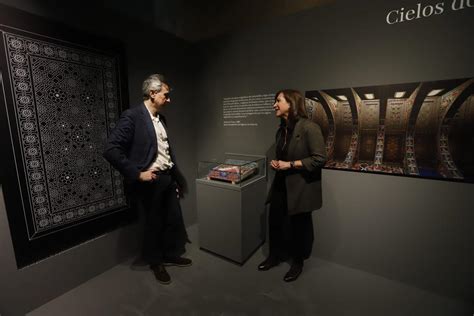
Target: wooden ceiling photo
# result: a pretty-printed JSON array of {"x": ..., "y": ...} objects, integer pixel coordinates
[{"x": 421, "y": 129}]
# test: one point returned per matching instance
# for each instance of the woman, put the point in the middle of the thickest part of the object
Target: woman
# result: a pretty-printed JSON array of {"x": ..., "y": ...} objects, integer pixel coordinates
[{"x": 296, "y": 188}]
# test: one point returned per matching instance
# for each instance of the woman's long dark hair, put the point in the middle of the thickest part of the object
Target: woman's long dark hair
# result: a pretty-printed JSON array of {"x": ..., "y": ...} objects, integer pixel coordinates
[{"x": 297, "y": 105}]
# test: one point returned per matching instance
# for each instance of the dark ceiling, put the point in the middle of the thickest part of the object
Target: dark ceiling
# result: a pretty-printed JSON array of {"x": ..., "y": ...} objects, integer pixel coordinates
[
  {"x": 190, "y": 20},
  {"x": 197, "y": 20}
]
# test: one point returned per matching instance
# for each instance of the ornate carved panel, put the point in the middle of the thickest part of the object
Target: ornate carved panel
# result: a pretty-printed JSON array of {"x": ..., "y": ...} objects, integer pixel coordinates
[
  {"x": 344, "y": 116},
  {"x": 396, "y": 117},
  {"x": 370, "y": 110}
]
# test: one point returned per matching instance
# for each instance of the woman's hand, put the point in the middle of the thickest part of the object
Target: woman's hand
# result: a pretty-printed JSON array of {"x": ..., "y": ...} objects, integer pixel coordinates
[
  {"x": 280, "y": 165},
  {"x": 274, "y": 164}
]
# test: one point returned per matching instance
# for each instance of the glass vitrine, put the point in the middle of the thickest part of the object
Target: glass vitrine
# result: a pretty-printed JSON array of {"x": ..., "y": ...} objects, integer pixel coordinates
[{"x": 232, "y": 168}]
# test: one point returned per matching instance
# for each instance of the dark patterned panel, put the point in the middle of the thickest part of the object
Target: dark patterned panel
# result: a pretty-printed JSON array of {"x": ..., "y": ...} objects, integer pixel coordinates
[
  {"x": 393, "y": 149},
  {"x": 342, "y": 145},
  {"x": 367, "y": 146},
  {"x": 61, "y": 99},
  {"x": 425, "y": 150},
  {"x": 64, "y": 98}
]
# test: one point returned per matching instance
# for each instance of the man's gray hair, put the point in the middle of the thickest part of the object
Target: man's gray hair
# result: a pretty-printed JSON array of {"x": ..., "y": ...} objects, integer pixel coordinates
[{"x": 152, "y": 83}]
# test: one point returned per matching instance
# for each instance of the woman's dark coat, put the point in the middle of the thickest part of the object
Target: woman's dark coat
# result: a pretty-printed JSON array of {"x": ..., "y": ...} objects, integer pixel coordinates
[{"x": 304, "y": 185}]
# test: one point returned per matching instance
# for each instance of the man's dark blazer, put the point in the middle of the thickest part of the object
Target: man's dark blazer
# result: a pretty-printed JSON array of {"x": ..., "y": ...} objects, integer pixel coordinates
[{"x": 132, "y": 146}]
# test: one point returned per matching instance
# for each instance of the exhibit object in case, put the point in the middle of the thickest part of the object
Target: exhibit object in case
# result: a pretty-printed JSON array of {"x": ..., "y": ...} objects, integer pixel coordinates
[
  {"x": 234, "y": 168},
  {"x": 230, "y": 195},
  {"x": 234, "y": 171}
]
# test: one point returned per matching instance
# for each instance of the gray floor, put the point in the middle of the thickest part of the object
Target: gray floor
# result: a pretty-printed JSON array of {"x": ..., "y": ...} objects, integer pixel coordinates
[{"x": 213, "y": 286}]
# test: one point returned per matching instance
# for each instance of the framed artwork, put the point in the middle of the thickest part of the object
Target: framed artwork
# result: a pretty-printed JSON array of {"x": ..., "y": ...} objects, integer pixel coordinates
[
  {"x": 61, "y": 93},
  {"x": 421, "y": 129}
]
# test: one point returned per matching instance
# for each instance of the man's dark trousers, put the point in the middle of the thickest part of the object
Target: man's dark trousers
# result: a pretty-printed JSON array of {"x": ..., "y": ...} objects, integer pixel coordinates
[{"x": 165, "y": 234}]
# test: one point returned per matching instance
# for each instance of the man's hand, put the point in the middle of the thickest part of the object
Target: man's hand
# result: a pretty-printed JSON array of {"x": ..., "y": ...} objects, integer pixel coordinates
[{"x": 147, "y": 176}]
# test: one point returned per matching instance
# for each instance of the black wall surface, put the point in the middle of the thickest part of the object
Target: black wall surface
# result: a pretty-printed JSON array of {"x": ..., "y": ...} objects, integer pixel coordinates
[
  {"x": 412, "y": 230},
  {"x": 148, "y": 51}
]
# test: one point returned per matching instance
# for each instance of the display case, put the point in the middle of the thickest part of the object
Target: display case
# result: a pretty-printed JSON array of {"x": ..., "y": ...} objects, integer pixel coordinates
[
  {"x": 232, "y": 168},
  {"x": 230, "y": 201}
]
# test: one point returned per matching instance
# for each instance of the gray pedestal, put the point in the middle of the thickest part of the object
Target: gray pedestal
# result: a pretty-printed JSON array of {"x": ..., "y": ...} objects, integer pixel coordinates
[{"x": 231, "y": 217}]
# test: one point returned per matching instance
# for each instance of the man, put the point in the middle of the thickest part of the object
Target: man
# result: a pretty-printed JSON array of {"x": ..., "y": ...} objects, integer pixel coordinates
[{"x": 139, "y": 148}]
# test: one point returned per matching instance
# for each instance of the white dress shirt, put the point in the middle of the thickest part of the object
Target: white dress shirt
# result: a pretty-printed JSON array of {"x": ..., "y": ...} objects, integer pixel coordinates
[{"x": 163, "y": 158}]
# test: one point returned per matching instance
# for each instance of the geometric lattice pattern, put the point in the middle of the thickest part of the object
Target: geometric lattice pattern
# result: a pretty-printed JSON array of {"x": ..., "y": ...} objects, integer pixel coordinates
[
  {"x": 448, "y": 166},
  {"x": 351, "y": 153},
  {"x": 379, "y": 149},
  {"x": 61, "y": 92},
  {"x": 410, "y": 159},
  {"x": 65, "y": 100}
]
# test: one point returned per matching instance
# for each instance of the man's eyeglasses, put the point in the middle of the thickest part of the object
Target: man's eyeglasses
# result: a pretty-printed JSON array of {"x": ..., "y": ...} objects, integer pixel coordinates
[{"x": 167, "y": 94}]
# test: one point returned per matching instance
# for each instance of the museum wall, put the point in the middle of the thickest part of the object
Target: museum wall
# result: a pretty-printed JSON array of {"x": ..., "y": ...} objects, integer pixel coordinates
[
  {"x": 413, "y": 230},
  {"x": 148, "y": 51}
]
